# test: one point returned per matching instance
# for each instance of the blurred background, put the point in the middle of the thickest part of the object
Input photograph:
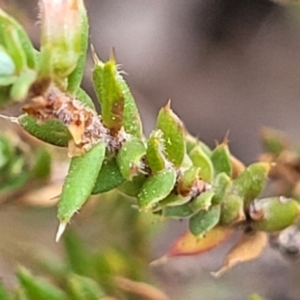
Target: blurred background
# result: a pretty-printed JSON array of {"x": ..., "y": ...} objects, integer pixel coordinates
[{"x": 226, "y": 65}]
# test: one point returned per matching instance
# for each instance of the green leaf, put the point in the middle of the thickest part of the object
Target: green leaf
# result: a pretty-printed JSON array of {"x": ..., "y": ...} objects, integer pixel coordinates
[
  {"x": 19, "y": 294},
  {"x": 219, "y": 186},
  {"x": 129, "y": 158},
  {"x": 21, "y": 86},
  {"x": 274, "y": 213},
  {"x": 178, "y": 212},
  {"x": 16, "y": 41},
  {"x": 7, "y": 64},
  {"x": 232, "y": 209},
  {"x": 132, "y": 188},
  {"x": 6, "y": 152},
  {"x": 80, "y": 181},
  {"x": 155, "y": 154},
  {"x": 51, "y": 131},
  {"x": 173, "y": 199},
  {"x": 14, "y": 47},
  {"x": 156, "y": 188},
  {"x": 97, "y": 76},
  {"x": 42, "y": 166},
  {"x": 109, "y": 177},
  {"x": 78, "y": 258},
  {"x": 173, "y": 131},
  {"x": 84, "y": 288},
  {"x": 131, "y": 118},
  {"x": 204, "y": 221},
  {"x": 187, "y": 181},
  {"x": 220, "y": 158},
  {"x": 273, "y": 141},
  {"x": 75, "y": 78},
  {"x": 3, "y": 293},
  {"x": 8, "y": 81},
  {"x": 201, "y": 160},
  {"x": 6, "y": 20},
  {"x": 37, "y": 288},
  {"x": 84, "y": 98},
  {"x": 251, "y": 182},
  {"x": 203, "y": 201},
  {"x": 112, "y": 104},
  {"x": 4, "y": 96}
]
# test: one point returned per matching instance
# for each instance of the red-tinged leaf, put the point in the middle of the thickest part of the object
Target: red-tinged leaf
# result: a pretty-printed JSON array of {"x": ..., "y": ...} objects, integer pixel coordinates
[
  {"x": 188, "y": 244},
  {"x": 249, "y": 247}
]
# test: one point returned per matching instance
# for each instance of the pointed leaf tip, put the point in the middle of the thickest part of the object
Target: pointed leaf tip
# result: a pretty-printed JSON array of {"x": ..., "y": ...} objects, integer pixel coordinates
[
  {"x": 112, "y": 55},
  {"x": 11, "y": 119},
  {"x": 249, "y": 247},
  {"x": 160, "y": 261},
  {"x": 94, "y": 55},
  {"x": 61, "y": 228},
  {"x": 168, "y": 105}
]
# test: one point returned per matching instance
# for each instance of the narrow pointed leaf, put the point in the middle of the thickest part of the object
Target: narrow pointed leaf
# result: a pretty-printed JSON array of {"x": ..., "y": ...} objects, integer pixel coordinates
[
  {"x": 204, "y": 221},
  {"x": 112, "y": 104},
  {"x": 37, "y": 288},
  {"x": 251, "y": 182},
  {"x": 129, "y": 158},
  {"x": 156, "y": 188},
  {"x": 17, "y": 43},
  {"x": 131, "y": 118},
  {"x": 80, "y": 181},
  {"x": 156, "y": 156},
  {"x": 84, "y": 288},
  {"x": 8, "y": 21},
  {"x": 220, "y": 158},
  {"x": 249, "y": 247},
  {"x": 201, "y": 160},
  {"x": 51, "y": 131},
  {"x": 219, "y": 186},
  {"x": 173, "y": 131},
  {"x": 97, "y": 76},
  {"x": 109, "y": 177},
  {"x": 13, "y": 46},
  {"x": 75, "y": 78},
  {"x": 192, "y": 142}
]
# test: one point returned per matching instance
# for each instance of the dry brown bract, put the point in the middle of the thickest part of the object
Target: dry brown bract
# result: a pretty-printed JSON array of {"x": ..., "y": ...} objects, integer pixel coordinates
[{"x": 83, "y": 123}]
